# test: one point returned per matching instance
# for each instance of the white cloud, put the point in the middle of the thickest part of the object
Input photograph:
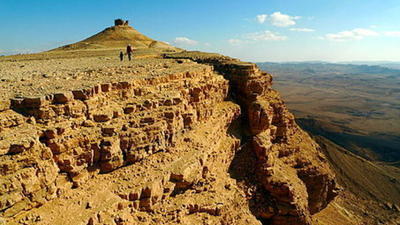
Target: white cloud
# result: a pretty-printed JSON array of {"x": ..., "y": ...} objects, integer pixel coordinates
[
  {"x": 355, "y": 34},
  {"x": 261, "y": 18},
  {"x": 184, "y": 41},
  {"x": 282, "y": 20},
  {"x": 365, "y": 32},
  {"x": 235, "y": 41},
  {"x": 250, "y": 38},
  {"x": 265, "y": 36},
  {"x": 278, "y": 19},
  {"x": 392, "y": 33},
  {"x": 302, "y": 29}
]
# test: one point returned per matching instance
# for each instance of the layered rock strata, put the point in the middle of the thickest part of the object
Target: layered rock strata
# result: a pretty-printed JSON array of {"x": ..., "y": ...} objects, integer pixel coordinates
[
  {"x": 157, "y": 150},
  {"x": 290, "y": 166}
]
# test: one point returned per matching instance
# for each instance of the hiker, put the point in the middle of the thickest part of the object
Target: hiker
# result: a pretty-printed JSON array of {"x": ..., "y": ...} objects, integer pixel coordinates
[
  {"x": 121, "y": 56},
  {"x": 129, "y": 51}
]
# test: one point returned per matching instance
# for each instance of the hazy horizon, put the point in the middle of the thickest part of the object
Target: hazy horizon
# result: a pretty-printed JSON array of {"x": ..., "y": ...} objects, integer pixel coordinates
[{"x": 273, "y": 31}]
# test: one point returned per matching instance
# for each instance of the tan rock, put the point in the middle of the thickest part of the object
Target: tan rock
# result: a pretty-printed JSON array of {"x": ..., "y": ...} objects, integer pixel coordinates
[
  {"x": 62, "y": 98},
  {"x": 164, "y": 137}
]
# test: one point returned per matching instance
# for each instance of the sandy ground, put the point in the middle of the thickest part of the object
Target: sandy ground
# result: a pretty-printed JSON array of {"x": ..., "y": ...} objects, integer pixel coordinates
[{"x": 38, "y": 77}]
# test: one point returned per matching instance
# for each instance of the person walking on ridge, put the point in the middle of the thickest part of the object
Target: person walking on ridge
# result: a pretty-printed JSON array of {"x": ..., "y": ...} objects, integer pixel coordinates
[
  {"x": 121, "y": 56},
  {"x": 129, "y": 51}
]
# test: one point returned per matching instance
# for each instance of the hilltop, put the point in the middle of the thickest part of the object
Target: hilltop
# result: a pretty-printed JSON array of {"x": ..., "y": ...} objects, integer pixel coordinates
[
  {"x": 107, "y": 43},
  {"x": 117, "y": 36}
]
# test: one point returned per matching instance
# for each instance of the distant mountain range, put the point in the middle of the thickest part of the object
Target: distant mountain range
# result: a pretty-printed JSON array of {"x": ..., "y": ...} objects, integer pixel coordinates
[{"x": 388, "y": 64}]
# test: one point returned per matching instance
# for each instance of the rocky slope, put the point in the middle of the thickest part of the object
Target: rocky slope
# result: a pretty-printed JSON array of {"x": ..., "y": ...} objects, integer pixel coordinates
[
  {"x": 194, "y": 138},
  {"x": 371, "y": 189}
]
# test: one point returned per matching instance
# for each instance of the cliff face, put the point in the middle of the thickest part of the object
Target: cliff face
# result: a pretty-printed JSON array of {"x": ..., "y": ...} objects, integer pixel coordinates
[
  {"x": 289, "y": 166},
  {"x": 212, "y": 143}
]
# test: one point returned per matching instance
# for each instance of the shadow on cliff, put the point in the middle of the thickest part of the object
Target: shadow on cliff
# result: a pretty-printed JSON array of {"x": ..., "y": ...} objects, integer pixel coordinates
[{"x": 243, "y": 170}]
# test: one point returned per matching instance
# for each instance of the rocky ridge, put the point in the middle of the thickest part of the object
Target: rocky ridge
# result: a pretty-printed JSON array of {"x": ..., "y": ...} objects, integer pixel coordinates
[{"x": 159, "y": 149}]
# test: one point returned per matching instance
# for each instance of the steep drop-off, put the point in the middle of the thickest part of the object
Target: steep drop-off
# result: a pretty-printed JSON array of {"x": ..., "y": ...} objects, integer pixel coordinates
[
  {"x": 371, "y": 189},
  {"x": 210, "y": 144}
]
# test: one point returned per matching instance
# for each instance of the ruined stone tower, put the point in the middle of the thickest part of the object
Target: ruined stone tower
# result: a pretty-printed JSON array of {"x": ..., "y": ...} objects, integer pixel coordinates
[{"x": 119, "y": 22}]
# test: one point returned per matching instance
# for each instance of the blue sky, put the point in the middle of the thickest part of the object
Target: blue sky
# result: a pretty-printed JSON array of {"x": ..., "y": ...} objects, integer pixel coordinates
[{"x": 257, "y": 30}]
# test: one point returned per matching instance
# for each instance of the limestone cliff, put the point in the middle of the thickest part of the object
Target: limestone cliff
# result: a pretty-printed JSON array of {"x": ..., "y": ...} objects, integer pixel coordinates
[{"x": 210, "y": 143}]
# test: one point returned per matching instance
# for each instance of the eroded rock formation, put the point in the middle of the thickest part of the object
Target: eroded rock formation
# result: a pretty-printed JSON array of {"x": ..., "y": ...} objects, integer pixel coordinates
[
  {"x": 158, "y": 150},
  {"x": 289, "y": 165}
]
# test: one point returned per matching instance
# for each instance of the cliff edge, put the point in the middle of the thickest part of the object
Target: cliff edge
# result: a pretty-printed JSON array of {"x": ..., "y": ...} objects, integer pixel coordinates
[{"x": 192, "y": 138}]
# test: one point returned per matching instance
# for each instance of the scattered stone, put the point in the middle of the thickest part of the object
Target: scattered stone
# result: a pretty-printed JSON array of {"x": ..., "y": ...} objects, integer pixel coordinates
[{"x": 91, "y": 221}]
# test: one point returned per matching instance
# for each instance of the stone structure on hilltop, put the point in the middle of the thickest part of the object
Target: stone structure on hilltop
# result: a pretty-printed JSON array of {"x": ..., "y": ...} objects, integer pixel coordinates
[{"x": 121, "y": 22}]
